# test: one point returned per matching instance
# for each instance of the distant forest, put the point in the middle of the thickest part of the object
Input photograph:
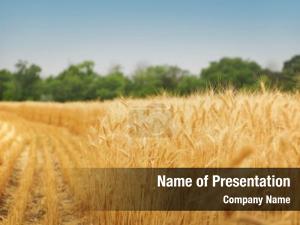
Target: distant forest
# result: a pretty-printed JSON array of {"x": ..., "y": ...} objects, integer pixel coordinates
[{"x": 81, "y": 82}]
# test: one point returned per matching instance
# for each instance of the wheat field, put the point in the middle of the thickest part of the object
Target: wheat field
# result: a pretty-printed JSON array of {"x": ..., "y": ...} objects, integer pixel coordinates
[{"x": 40, "y": 141}]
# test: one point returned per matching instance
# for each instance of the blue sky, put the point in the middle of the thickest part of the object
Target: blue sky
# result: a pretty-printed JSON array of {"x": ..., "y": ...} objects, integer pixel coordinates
[{"x": 190, "y": 34}]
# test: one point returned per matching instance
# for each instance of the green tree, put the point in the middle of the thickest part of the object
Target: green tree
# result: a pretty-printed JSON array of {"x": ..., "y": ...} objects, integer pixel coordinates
[
  {"x": 112, "y": 85},
  {"x": 74, "y": 84},
  {"x": 6, "y": 78},
  {"x": 189, "y": 84},
  {"x": 275, "y": 79},
  {"x": 154, "y": 79},
  {"x": 233, "y": 72},
  {"x": 291, "y": 72},
  {"x": 27, "y": 80}
]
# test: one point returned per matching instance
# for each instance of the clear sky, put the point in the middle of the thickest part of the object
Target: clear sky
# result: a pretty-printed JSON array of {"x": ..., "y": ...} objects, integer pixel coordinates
[{"x": 190, "y": 34}]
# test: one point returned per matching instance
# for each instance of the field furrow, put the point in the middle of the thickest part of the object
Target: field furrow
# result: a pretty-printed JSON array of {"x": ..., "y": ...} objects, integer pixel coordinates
[
  {"x": 36, "y": 209},
  {"x": 22, "y": 196},
  {"x": 67, "y": 205},
  {"x": 10, "y": 178},
  {"x": 11, "y": 162},
  {"x": 53, "y": 214}
]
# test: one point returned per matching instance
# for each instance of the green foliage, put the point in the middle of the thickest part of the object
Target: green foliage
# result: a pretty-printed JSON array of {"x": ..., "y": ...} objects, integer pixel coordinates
[
  {"x": 190, "y": 84},
  {"x": 5, "y": 82},
  {"x": 291, "y": 73},
  {"x": 80, "y": 82},
  {"x": 292, "y": 66},
  {"x": 155, "y": 79},
  {"x": 26, "y": 81},
  {"x": 111, "y": 86},
  {"x": 233, "y": 72},
  {"x": 74, "y": 84}
]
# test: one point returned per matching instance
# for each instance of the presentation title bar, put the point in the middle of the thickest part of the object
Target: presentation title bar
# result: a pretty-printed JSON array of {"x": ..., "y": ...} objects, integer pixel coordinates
[{"x": 186, "y": 189}]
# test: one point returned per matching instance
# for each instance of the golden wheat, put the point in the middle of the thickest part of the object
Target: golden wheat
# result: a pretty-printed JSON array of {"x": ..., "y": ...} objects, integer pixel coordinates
[{"x": 208, "y": 130}]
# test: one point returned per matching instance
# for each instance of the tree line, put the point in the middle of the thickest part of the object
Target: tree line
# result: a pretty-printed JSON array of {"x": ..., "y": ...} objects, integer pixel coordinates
[{"x": 81, "y": 82}]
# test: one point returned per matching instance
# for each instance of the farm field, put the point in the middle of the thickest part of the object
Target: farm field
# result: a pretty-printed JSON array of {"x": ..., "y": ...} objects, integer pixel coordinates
[{"x": 40, "y": 141}]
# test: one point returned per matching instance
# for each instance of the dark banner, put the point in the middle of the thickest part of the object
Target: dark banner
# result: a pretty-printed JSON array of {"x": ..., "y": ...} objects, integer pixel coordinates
[{"x": 187, "y": 189}]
